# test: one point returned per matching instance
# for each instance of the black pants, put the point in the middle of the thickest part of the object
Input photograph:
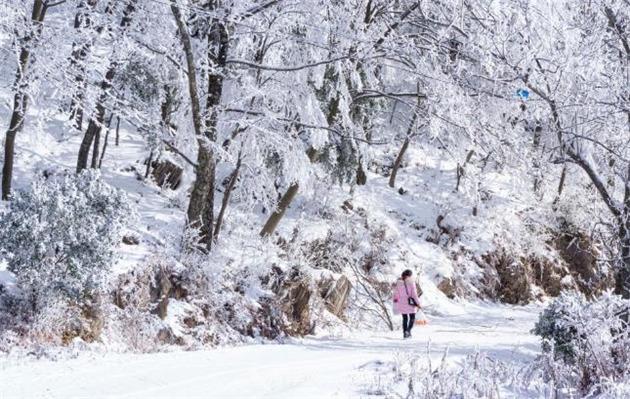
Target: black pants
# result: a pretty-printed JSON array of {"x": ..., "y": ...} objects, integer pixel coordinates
[{"x": 408, "y": 320}]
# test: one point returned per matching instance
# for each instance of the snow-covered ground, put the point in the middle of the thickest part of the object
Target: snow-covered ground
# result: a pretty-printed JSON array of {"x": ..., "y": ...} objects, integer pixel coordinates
[{"x": 315, "y": 367}]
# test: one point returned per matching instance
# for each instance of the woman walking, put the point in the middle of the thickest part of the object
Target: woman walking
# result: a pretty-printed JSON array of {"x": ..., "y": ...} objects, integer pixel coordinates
[{"x": 406, "y": 301}]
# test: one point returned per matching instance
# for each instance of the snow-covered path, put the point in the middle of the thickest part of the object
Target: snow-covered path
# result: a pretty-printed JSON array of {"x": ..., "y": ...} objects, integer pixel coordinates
[{"x": 306, "y": 368}]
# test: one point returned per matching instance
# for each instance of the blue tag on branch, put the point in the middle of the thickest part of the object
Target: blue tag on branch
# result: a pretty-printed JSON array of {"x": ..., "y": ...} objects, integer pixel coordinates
[{"x": 523, "y": 93}]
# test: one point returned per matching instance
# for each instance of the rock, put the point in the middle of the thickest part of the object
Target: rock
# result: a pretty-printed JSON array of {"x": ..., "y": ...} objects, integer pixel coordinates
[
  {"x": 267, "y": 320},
  {"x": 93, "y": 313},
  {"x": 347, "y": 206},
  {"x": 549, "y": 276},
  {"x": 130, "y": 240},
  {"x": 507, "y": 278},
  {"x": 335, "y": 294},
  {"x": 161, "y": 292},
  {"x": 447, "y": 286},
  {"x": 133, "y": 289},
  {"x": 154, "y": 287},
  {"x": 178, "y": 286},
  {"x": 580, "y": 254},
  {"x": 295, "y": 303},
  {"x": 87, "y": 324},
  {"x": 165, "y": 336},
  {"x": 166, "y": 174}
]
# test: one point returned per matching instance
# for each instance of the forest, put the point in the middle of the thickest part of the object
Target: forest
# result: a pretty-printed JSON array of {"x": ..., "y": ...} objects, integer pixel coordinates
[{"x": 184, "y": 175}]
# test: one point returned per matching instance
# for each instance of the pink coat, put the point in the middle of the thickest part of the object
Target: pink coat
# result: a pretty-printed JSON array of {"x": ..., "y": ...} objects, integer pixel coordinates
[{"x": 401, "y": 303}]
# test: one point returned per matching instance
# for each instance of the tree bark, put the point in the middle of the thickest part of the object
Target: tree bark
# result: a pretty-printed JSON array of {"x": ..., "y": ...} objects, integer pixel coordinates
[
  {"x": 117, "y": 131},
  {"x": 96, "y": 122},
  {"x": 274, "y": 219},
  {"x": 563, "y": 177},
  {"x": 20, "y": 98},
  {"x": 201, "y": 206},
  {"x": 461, "y": 169},
  {"x": 200, "y": 189},
  {"x": 398, "y": 161},
  {"x": 149, "y": 162},
  {"x": 193, "y": 90},
  {"x": 361, "y": 177},
  {"x": 405, "y": 146},
  {"x": 77, "y": 60},
  {"x": 96, "y": 148},
  {"x": 286, "y": 200},
  {"x": 536, "y": 162},
  {"x": 226, "y": 197},
  {"x": 106, "y": 141},
  {"x": 622, "y": 279}
]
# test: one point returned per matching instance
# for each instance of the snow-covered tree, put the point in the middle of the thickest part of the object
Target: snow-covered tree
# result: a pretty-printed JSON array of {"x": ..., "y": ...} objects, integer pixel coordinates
[
  {"x": 60, "y": 236},
  {"x": 569, "y": 63},
  {"x": 28, "y": 24}
]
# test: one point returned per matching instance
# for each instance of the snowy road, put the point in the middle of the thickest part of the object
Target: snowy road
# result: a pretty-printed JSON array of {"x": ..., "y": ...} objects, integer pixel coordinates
[{"x": 307, "y": 368}]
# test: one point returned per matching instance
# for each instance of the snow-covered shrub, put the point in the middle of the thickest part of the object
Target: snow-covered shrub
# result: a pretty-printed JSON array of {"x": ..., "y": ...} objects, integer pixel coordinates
[
  {"x": 60, "y": 236},
  {"x": 134, "y": 329},
  {"x": 413, "y": 376},
  {"x": 586, "y": 343},
  {"x": 556, "y": 333}
]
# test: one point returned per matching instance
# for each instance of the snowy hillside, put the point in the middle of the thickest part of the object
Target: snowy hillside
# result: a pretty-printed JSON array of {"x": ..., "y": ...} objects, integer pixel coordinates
[{"x": 255, "y": 190}]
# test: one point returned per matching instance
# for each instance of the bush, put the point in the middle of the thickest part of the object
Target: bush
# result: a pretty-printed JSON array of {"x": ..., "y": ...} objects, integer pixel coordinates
[
  {"x": 586, "y": 344},
  {"x": 60, "y": 236},
  {"x": 417, "y": 377},
  {"x": 556, "y": 327}
]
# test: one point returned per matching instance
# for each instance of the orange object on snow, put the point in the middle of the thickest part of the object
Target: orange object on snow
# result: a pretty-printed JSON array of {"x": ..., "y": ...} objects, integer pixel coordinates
[{"x": 421, "y": 318}]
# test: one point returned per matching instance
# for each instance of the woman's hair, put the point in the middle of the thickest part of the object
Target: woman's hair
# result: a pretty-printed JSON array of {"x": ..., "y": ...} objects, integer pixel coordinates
[{"x": 406, "y": 273}]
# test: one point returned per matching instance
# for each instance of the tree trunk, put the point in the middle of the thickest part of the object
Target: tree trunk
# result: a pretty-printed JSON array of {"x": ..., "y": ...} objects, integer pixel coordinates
[
  {"x": 20, "y": 99},
  {"x": 77, "y": 60},
  {"x": 206, "y": 176},
  {"x": 398, "y": 162},
  {"x": 96, "y": 148},
  {"x": 193, "y": 90},
  {"x": 201, "y": 206},
  {"x": 226, "y": 197},
  {"x": 100, "y": 160},
  {"x": 563, "y": 177},
  {"x": 117, "y": 131},
  {"x": 461, "y": 170},
  {"x": 17, "y": 120},
  {"x": 106, "y": 141},
  {"x": 286, "y": 200},
  {"x": 536, "y": 162},
  {"x": 361, "y": 177},
  {"x": 199, "y": 194},
  {"x": 275, "y": 218},
  {"x": 405, "y": 146},
  {"x": 96, "y": 121},
  {"x": 149, "y": 162},
  {"x": 622, "y": 279}
]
